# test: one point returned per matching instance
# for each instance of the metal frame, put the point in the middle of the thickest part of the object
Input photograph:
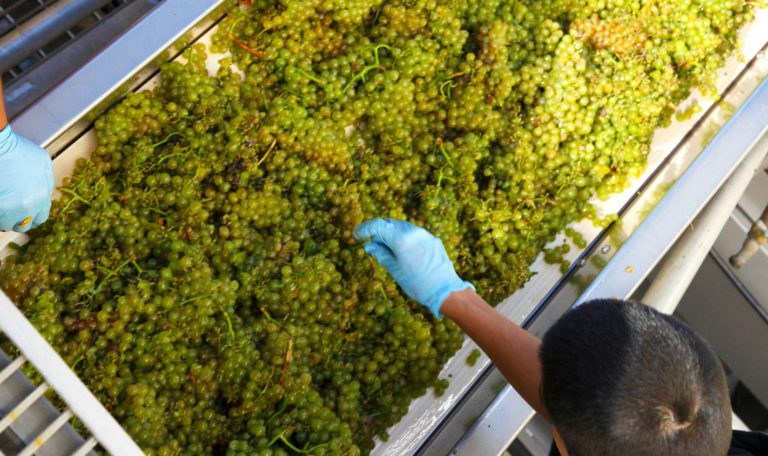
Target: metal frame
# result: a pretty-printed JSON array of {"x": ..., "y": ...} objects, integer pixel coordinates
[
  {"x": 743, "y": 136},
  {"x": 59, "y": 377},
  {"x": 26, "y": 87},
  {"x": 682, "y": 262},
  {"x": 11, "y": 18},
  {"x": 84, "y": 90},
  {"x": 44, "y": 27}
]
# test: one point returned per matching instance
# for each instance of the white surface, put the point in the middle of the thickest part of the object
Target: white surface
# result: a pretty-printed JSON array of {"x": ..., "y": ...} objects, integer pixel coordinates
[
  {"x": 87, "y": 446},
  {"x": 537, "y": 436},
  {"x": 756, "y": 195},
  {"x": 11, "y": 368}
]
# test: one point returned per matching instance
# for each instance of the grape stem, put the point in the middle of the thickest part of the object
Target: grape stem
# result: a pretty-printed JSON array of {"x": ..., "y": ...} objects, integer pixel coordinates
[
  {"x": 268, "y": 316},
  {"x": 241, "y": 45},
  {"x": 166, "y": 157},
  {"x": 75, "y": 197},
  {"x": 448, "y": 84},
  {"x": 271, "y": 146},
  {"x": 445, "y": 89},
  {"x": 305, "y": 450},
  {"x": 376, "y": 65},
  {"x": 287, "y": 443},
  {"x": 442, "y": 177},
  {"x": 166, "y": 139},
  {"x": 245, "y": 47},
  {"x": 193, "y": 299},
  {"x": 310, "y": 76},
  {"x": 445, "y": 155},
  {"x": 268, "y": 384},
  {"x": 77, "y": 361},
  {"x": 286, "y": 361},
  {"x": 229, "y": 323},
  {"x": 111, "y": 274},
  {"x": 276, "y": 438},
  {"x": 136, "y": 265},
  {"x": 282, "y": 438},
  {"x": 283, "y": 405}
]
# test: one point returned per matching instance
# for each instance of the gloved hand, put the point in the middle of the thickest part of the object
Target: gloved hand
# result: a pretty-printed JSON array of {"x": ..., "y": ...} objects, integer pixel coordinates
[
  {"x": 415, "y": 258},
  {"x": 26, "y": 183}
]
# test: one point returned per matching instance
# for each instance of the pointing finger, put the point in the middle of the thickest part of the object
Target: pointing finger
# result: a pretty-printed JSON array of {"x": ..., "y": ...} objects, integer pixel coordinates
[
  {"x": 381, "y": 253},
  {"x": 371, "y": 229}
]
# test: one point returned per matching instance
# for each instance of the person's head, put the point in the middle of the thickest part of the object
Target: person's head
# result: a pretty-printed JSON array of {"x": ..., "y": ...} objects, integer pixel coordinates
[{"x": 619, "y": 378}]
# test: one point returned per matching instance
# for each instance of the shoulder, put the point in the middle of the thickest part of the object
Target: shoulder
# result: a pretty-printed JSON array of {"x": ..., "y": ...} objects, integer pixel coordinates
[{"x": 744, "y": 443}]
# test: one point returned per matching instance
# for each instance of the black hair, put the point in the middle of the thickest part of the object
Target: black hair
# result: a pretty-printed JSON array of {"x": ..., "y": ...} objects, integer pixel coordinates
[{"x": 619, "y": 378}]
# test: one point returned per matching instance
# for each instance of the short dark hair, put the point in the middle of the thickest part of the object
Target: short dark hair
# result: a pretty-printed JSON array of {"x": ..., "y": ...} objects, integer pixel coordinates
[{"x": 620, "y": 378}]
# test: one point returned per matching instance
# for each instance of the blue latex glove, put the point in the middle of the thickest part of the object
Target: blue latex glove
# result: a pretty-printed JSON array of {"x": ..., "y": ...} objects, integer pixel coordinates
[
  {"x": 26, "y": 183},
  {"x": 415, "y": 258}
]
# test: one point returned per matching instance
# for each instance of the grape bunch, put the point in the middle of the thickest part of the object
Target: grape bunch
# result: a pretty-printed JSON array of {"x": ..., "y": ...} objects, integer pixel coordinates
[{"x": 200, "y": 271}]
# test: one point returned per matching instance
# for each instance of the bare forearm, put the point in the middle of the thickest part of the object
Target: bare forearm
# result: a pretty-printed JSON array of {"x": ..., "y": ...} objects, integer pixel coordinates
[
  {"x": 513, "y": 350},
  {"x": 3, "y": 117}
]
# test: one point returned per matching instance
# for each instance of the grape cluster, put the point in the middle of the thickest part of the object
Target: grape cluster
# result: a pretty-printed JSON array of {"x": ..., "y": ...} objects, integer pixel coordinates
[{"x": 200, "y": 271}]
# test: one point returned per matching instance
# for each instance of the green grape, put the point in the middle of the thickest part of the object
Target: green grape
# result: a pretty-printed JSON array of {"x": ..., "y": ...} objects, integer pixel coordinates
[{"x": 200, "y": 271}]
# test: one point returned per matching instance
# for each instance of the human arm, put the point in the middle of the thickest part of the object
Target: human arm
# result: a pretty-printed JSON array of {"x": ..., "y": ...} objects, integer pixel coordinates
[
  {"x": 513, "y": 350},
  {"x": 26, "y": 180},
  {"x": 419, "y": 264}
]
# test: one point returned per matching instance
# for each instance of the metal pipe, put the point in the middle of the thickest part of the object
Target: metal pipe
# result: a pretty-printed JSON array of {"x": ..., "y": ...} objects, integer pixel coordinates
[
  {"x": 683, "y": 261},
  {"x": 757, "y": 236},
  {"x": 44, "y": 27}
]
